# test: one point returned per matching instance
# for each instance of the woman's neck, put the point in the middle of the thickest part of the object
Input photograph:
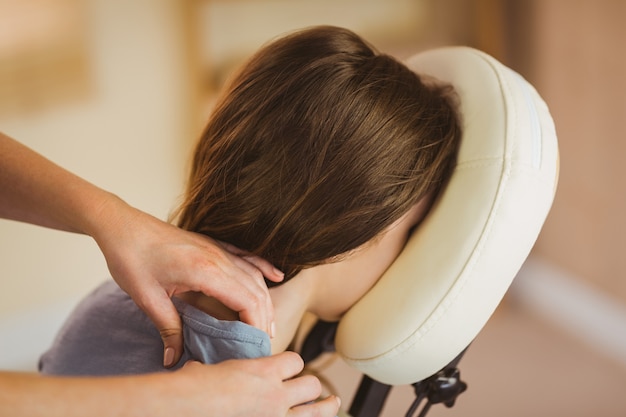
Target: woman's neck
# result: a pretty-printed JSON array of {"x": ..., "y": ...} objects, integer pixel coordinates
[
  {"x": 327, "y": 290},
  {"x": 291, "y": 301}
]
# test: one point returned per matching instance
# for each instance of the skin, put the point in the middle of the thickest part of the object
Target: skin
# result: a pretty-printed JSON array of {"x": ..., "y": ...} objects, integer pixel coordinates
[
  {"x": 330, "y": 289},
  {"x": 152, "y": 261},
  {"x": 258, "y": 387},
  {"x": 149, "y": 259}
]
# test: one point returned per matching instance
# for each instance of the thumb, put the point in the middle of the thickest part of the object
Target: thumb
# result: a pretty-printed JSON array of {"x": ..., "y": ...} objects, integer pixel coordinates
[
  {"x": 172, "y": 336},
  {"x": 165, "y": 317}
]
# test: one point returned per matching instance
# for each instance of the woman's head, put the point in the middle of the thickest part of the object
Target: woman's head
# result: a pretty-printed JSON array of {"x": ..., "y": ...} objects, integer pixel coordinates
[{"x": 317, "y": 145}]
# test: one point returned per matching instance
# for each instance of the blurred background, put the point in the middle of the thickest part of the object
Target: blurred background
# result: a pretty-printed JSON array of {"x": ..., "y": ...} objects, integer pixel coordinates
[{"x": 117, "y": 91}]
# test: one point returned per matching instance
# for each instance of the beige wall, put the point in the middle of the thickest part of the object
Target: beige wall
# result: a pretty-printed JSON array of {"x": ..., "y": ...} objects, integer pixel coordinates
[
  {"x": 126, "y": 134},
  {"x": 573, "y": 52},
  {"x": 579, "y": 65}
]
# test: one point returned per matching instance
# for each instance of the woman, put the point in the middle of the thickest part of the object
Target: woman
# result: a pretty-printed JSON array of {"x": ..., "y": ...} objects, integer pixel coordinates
[
  {"x": 320, "y": 157},
  {"x": 35, "y": 190}
]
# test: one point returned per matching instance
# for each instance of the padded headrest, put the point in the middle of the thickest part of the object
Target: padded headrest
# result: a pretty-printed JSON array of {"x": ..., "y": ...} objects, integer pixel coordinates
[{"x": 455, "y": 269}]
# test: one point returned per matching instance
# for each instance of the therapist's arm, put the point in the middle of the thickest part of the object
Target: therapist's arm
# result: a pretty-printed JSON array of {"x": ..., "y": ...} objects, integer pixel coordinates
[
  {"x": 150, "y": 259},
  {"x": 258, "y": 387}
]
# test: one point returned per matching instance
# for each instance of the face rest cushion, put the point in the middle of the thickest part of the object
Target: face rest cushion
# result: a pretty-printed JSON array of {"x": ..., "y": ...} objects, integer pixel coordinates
[{"x": 455, "y": 269}]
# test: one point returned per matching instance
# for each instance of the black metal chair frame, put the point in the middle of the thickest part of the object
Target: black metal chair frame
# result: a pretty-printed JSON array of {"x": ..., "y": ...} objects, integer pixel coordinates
[{"x": 442, "y": 387}]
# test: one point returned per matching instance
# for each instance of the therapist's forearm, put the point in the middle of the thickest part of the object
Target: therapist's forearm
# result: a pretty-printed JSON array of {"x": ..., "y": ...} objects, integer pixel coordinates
[
  {"x": 32, "y": 395},
  {"x": 264, "y": 387},
  {"x": 35, "y": 190}
]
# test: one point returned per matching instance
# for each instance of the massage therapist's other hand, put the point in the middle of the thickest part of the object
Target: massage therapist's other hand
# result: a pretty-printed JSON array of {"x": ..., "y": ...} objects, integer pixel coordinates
[
  {"x": 263, "y": 387},
  {"x": 152, "y": 261}
]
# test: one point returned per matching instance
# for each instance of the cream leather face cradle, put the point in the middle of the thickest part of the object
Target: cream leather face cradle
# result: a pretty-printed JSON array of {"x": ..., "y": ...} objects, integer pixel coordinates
[{"x": 441, "y": 290}]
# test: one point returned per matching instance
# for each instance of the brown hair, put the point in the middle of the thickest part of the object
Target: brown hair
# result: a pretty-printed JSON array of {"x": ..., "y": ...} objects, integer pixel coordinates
[{"x": 317, "y": 145}]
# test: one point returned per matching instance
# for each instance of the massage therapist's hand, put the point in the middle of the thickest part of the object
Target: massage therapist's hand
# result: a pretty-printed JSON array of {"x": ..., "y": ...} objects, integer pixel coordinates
[
  {"x": 263, "y": 387},
  {"x": 152, "y": 261}
]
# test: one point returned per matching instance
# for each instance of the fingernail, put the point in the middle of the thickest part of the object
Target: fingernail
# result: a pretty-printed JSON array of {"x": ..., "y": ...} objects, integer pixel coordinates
[
  {"x": 273, "y": 330},
  {"x": 279, "y": 272},
  {"x": 338, "y": 400},
  {"x": 168, "y": 357}
]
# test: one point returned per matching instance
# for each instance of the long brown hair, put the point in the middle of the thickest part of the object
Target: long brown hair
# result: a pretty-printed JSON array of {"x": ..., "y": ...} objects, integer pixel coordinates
[{"x": 318, "y": 144}]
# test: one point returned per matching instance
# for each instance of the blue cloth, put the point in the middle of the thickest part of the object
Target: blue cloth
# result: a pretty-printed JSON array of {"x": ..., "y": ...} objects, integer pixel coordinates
[{"x": 107, "y": 334}]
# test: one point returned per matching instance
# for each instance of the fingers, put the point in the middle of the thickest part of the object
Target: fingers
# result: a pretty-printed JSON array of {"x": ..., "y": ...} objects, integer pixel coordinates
[
  {"x": 262, "y": 387},
  {"x": 303, "y": 391},
  {"x": 239, "y": 285},
  {"x": 192, "y": 364},
  {"x": 268, "y": 270},
  {"x": 256, "y": 309},
  {"x": 328, "y": 407},
  {"x": 287, "y": 364},
  {"x": 159, "y": 307}
]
